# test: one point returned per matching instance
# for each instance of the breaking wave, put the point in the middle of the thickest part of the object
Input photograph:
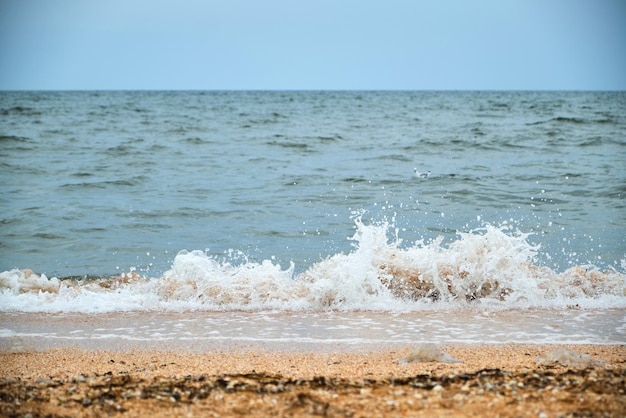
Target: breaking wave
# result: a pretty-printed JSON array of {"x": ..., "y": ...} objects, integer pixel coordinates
[{"x": 489, "y": 268}]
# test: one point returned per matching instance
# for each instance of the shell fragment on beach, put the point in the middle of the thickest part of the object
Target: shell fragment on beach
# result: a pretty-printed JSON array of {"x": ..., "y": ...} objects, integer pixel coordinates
[{"x": 424, "y": 353}]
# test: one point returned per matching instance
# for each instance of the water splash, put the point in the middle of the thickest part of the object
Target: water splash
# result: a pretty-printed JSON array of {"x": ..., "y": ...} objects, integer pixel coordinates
[{"x": 492, "y": 267}]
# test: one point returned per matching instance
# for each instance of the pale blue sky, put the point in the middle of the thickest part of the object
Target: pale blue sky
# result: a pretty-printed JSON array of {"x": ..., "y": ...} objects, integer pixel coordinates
[{"x": 321, "y": 44}]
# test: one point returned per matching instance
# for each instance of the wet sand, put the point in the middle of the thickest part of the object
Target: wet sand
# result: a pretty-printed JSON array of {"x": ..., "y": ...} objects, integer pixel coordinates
[{"x": 493, "y": 380}]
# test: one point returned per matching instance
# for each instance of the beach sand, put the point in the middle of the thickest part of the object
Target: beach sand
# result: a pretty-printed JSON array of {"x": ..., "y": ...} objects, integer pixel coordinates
[{"x": 491, "y": 380}]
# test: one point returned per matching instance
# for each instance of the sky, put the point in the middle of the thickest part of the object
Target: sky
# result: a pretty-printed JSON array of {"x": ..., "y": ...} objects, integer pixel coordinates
[{"x": 313, "y": 44}]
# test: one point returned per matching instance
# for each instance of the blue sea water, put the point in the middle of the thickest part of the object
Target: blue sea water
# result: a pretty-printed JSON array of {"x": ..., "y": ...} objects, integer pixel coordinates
[
  {"x": 297, "y": 183},
  {"x": 207, "y": 220},
  {"x": 98, "y": 182}
]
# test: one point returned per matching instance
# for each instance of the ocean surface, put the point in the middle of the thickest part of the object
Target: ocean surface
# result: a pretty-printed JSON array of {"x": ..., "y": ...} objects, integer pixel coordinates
[{"x": 392, "y": 206}]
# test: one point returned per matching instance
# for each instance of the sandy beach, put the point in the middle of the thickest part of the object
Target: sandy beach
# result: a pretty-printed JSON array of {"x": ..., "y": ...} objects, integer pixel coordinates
[{"x": 493, "y": 380}]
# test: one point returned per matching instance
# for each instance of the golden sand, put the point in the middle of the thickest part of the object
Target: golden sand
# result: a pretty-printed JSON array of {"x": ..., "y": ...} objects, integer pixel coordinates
[{"x": 491, "y": 380}]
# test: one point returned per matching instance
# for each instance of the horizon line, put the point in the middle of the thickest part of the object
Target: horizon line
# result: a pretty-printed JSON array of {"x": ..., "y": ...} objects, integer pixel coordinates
[{"x": 306, "y": 90}]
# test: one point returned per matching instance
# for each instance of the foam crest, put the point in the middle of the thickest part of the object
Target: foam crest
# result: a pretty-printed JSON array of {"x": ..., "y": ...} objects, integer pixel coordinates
[
  {"x": 197, "y": 277},
  {"x": 24, "y": 281},
  {"x": 352, "y": 281},
  {"x": 491, "y": 268}
]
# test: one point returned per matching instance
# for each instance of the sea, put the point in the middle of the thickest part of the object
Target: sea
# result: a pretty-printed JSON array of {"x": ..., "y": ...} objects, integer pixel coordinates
[{"x": 321, "y": 220}]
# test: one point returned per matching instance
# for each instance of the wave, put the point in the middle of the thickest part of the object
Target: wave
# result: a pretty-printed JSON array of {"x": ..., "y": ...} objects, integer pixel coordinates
[
  {"x": 490, "y": 268},
  {"x": 102, "y": 184},
  {"x": 575, "y": 120},
  {"x": 13, "y": 138},
  {"x": 20, "y": 110}
]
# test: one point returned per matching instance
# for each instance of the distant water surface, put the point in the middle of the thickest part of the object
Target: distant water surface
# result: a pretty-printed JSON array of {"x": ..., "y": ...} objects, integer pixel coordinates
[{"x": 97, "y": 183}]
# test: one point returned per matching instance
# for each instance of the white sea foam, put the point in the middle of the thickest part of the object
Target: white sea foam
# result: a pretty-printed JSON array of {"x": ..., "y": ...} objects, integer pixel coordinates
[{"x": 492, "y": 268}]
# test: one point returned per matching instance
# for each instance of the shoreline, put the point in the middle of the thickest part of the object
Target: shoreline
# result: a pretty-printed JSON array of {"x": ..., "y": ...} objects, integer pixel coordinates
[{"x": 504, "y": 379}]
